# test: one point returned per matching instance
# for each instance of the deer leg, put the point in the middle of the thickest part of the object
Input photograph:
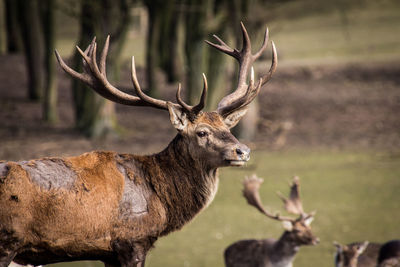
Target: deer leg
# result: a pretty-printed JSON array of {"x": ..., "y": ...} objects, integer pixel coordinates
[
  {"x": 131, "y": 254},
  {"x": 6, "y": 258},
  {"x": 141, "y": 263}
]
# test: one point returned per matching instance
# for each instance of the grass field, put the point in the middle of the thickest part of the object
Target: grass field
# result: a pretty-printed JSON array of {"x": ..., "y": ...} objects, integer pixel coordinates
[{"x": 356, "y": 196}]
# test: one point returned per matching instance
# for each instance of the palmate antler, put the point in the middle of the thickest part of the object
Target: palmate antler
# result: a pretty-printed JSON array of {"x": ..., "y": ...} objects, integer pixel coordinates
[
  {"x": 244, "y": 94},
  {"x": 95, "y": 76},
  {"x": 251, "y": 187},
  {"x": 292, "y": 204}
]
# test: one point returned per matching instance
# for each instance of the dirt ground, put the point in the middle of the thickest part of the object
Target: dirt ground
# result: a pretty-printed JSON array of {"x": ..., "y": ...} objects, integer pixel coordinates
[{"x": 336, "y": 106}]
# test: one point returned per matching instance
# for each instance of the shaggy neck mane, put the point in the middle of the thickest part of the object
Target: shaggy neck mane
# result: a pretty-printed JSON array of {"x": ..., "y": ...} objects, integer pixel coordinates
[{"x": 183, "y": 184}]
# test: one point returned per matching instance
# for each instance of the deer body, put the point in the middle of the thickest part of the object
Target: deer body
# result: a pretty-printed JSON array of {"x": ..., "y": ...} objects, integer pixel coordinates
[
  {"x": 271, "y": 252},
  {"x": 100, "y": 198},
  {"x": 277, "y": 253},
  {"x": 389, "y": 254},
  {"x": 112, "y": 207}
]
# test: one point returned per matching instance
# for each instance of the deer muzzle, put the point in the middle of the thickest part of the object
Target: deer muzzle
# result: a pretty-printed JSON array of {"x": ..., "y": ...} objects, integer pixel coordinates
[{"x": 240, "y": 155}]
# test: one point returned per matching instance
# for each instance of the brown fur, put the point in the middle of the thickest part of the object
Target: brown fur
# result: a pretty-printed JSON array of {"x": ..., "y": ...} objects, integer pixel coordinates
[{"x": 108, "y": 206}]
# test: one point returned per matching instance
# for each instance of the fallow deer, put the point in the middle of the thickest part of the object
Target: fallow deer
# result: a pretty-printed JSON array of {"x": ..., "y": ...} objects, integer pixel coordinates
[
  {"x": 112, "y": 207},
  {"x": 271, "y": 252},
  {"x": 389, "y": 254},
  {"x": 357, "y": 254}
]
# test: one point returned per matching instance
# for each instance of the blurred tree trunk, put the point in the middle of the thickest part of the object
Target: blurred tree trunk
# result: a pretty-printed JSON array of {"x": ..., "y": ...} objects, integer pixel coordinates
[
  {"x": 3, "y": 30},
  {"x": 50, "y": 94},
  {"x": 217, "y": 64},
  {"x": 217, "y": 73},
  {"x": 196, "y": 32},
  {"x": 169, "y": 41},
  {"x": 29, "y": 17},
  {"x": 95, "y": 116},
  {"x": 155, "y": 10},
  {"x": 162, "y": 43},
  {"x": 14, "y": 37}
]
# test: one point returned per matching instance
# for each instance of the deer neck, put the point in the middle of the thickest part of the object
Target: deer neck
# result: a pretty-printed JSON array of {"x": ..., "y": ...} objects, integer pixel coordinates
[
  {"x": 285, "y": 250},
  {"x": 185, "y": 185}
]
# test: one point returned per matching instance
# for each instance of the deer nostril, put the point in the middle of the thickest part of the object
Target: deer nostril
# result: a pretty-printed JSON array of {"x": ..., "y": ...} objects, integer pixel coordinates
[
  {"x": 242, "y": 151},
  {"x": 239, "y": 151}
]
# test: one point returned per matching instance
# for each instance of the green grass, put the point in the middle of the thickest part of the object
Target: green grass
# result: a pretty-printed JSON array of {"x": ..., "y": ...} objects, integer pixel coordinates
[
  {"x": 371, "y": 33},
  {"x": 356, "y": 196}
]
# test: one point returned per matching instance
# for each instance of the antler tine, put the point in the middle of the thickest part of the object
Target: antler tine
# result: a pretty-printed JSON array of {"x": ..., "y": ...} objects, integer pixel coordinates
[
  {"x": 196, "y": 109},
  {"x": 263, "y": 46},
  {"x": 193, "y": 110},
  {"x": 104, "y": 55},
  {"x": 185, "y": 106},
  {"x": 293, "y": 204},
  {"x": 245, "y": 58},
  {"x": 223, "y": 47},
  {"x": 161, "y": 104},
  {"x": 251, "y": 193},
  {"x": 274, "y": 64},
  {"x": 92, "y": 77},
  {"x": 251, "y": 93}
]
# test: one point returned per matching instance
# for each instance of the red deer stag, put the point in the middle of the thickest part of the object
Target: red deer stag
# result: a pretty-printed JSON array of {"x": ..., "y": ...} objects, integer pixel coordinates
[
  {"x": 112, "y": 207},
  {"x": 357, "y": 254},
  {"x": 271, "y": 252}
]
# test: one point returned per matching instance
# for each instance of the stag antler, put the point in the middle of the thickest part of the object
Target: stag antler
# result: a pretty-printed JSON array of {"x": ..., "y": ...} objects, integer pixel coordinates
[
  {"x": 244, "y": 94},
  {"x": 251, "y": 193},
  {"x": 95, "y": 76},
  {"x": 293, "y": 204}
]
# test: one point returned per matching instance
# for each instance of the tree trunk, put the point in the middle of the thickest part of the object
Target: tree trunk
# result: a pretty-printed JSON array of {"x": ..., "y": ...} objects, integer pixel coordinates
[
  {"x": 3, "y": 30},
  {"x": 95, "y": 116},
  {"x": 218, "y": 69},
  {"x": 14, "y": 36},
  {"x": 33, "y": 43},
  {"x": 169, "y": 41},
  {"x": 50, "y": 97},
  {"x": 196, "y": 56},
  {"x": 152, "y": 52}
]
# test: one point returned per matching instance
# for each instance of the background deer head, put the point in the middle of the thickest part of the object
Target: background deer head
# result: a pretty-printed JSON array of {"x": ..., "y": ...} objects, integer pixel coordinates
[
  {"x": 297, "y": 231},
  {"x": 347, "y": 255}
]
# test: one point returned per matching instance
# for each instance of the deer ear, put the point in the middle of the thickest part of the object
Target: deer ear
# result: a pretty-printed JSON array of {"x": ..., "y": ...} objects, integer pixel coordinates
[
  {"x": 177, "y": 117},
  {"x": 234, "y": 117},
  {"x": 288, "y": 226},
  {"x": 362, "y": 247},
  {"x": 309, "y": 220}
]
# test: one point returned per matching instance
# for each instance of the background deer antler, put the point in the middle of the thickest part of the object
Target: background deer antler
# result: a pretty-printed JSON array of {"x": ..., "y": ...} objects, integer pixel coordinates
[
  {"x": 293, "y": 204},
  {"x": 251, "y": 193}
]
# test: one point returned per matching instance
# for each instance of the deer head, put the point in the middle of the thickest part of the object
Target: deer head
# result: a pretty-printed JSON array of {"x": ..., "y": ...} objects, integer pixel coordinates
[
  {"x": 347, "y": 255},
  {"x": 206, "y": 134},
  {"x": 298, "y": 231}
]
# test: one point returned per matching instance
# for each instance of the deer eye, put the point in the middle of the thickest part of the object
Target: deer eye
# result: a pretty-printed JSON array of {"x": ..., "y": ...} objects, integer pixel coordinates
[{"x": 202, "y": 133}]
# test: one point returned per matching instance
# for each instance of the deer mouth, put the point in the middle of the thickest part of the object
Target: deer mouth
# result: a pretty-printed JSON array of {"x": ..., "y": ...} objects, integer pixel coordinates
[{"x": 236, "y": 162}]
